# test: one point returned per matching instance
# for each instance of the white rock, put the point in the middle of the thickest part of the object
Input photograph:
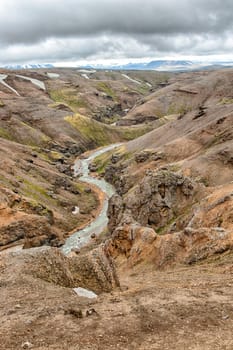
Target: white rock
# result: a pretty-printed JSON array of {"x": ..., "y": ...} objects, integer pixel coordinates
[
  {"x": 76, "y": 211},
  {"x": 82, "y": 292}
]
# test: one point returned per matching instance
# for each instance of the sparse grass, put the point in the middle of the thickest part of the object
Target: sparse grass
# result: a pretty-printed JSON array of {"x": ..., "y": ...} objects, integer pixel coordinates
[
  {"x": 34, "y": 190},
  {"x": 174, "y": 167},
  {"x": 68, "y": 97},
  {"x": 103, "y": 159},
  {"x": 162, "y": 229},
  {"x": 5, "y": 181},
  {"x": 104, "y": 87},
  {"x": 25, "y": 134},
  {"x": 5, "y": 134},
  {"x": 101, "y": 134},
  {"x": 205, "y": 181},
  {"x": 225, "y": 101},
  {"x": 111, "y": 120},
  {"x": 131, "y": 133},
  {"x": 90, "y": 129},
  {"x": 143, "y": 89},
  {"x": 55, "y": 155},
  {"x": 56, "y": 104}
]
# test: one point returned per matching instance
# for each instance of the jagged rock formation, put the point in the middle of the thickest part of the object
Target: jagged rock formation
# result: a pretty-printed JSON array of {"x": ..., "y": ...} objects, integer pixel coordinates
[
  {"x": 159, "y": 199},
  {"x": 177, "y": 182},
  {"x": 92, "y": 270}
]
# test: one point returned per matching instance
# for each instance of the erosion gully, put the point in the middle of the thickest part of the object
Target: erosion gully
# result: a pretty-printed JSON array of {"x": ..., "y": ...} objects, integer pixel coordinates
[{"x": 81, "y": 237}]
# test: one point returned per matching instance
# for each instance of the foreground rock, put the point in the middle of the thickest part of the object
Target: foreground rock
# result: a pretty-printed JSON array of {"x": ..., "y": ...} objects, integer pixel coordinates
[
  {"x": 93, "y": 270},
  {"x": 188, "y": 307}
]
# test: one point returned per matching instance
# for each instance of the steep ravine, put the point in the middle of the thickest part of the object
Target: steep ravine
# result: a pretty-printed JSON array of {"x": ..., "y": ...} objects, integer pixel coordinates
[{"x": 81, "y": 237}]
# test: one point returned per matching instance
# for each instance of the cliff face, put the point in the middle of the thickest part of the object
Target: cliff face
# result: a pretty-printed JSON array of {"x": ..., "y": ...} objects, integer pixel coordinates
[
  {"x": 159, "y": 199},
  {"x": 169, "y": 219},
  {"x": 174, "y": 184}
]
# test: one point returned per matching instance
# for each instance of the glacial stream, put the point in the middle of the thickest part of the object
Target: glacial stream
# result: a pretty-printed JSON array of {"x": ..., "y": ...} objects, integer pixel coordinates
[{"x": 81, "y": 237}]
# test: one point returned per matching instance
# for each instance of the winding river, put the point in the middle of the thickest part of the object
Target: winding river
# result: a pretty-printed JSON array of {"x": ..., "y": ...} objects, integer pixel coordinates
[{"x": 81, "y": 237}]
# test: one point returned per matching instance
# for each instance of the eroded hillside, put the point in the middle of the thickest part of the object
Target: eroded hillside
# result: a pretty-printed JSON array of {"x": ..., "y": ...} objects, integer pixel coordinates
[
  {"x": 46, "y": 120},
  {"x": 174, "y": 184},
  {"x": 163, "y": 268}
]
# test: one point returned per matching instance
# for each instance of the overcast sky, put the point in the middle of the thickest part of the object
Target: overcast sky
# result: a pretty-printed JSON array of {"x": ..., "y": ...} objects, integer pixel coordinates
[{"x": 116, "y": 30}]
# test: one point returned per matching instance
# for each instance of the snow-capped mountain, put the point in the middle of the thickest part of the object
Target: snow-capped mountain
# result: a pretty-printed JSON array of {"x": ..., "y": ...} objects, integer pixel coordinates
[
  {"x": 28, "y": 66},
  {"x": 165, "y": 65},
  {"x": 158, "y": 65}
]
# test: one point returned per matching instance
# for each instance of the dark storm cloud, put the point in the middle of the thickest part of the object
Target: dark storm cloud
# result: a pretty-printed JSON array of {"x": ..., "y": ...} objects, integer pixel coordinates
[{"x": 35, "y": 28}]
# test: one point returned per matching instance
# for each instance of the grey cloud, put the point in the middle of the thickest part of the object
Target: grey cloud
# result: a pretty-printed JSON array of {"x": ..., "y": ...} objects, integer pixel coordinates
[
  {"x": 75, "y": 29},
  {"x": 29, "y": 21}
]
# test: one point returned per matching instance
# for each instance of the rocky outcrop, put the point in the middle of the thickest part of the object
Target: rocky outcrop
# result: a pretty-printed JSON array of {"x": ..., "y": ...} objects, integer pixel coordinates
[
  {"x": 117, "y": 175},
  {"x": 198, "y": 231},
  {"x": 93, "y": 270},
  {"x": 133, "y": 244},
  {"x": 25, "y": 221},
  {"x": 145, "y": 155},
  {"x": 33, "y": 230},
  {"x": 158, "y": 200}
]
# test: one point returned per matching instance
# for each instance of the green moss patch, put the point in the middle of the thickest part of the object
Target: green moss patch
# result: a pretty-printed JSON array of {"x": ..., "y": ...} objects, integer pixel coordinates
[
  {"x": 103, "y": 159},
  {"x": 226, "y": 101},
  {"x": 68, "y": 97},
  {"x": 101, "y": 134},
  {"x": 104, "y": 87},
  {"x": 131, "y": 133},
  {"x": 34, "y": 190},
  {"x": 5, "y": 134},
  {"x": 90, "y": 129}
]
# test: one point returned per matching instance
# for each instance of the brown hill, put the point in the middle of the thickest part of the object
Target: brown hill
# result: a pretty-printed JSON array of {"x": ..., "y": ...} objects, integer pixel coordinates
[
  {"x": 167, "y": 256},
  {"x": 177, "y": 179},
  {"x": 44, "y": 124}
]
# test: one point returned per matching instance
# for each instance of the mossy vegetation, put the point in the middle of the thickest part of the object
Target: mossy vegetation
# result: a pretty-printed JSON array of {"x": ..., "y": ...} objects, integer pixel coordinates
[
  {"x": 101, "y": 134},
  {"x": 163, "y": 229},
  {"x": 143, "y": 89},
  {"x": 36, "y": 191},
  {"x": 5, "y": 134},
  {"x": 226, "y": 101},
  {"x": 25, "y": 134},
  {"x": 68, "y": 97},
  {"x": 104, "y": 87},
  {"x": 54, "y": 155},
  {"x": 104, "y": 159},
  {"x": 177, "y": 108},
  {"x": 130, "y": 133},
  {"x": 91, "y": 130}
]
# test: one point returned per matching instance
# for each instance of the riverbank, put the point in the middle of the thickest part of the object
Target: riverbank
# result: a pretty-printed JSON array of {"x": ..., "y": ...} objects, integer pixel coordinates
[{"x": 104, "y": 191}]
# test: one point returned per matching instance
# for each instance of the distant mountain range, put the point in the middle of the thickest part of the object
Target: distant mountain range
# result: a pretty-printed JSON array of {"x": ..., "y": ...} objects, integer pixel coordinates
[
  {"x": 166, "y": 65},
  {"x": 28, "y": 66},
  {"x": 158, "y": 65}
]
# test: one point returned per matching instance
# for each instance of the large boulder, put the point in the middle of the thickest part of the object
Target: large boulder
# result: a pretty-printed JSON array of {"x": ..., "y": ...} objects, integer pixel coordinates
[
  {"x": 92, "y": 269},
  {"x": 157, "y": 200}
]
